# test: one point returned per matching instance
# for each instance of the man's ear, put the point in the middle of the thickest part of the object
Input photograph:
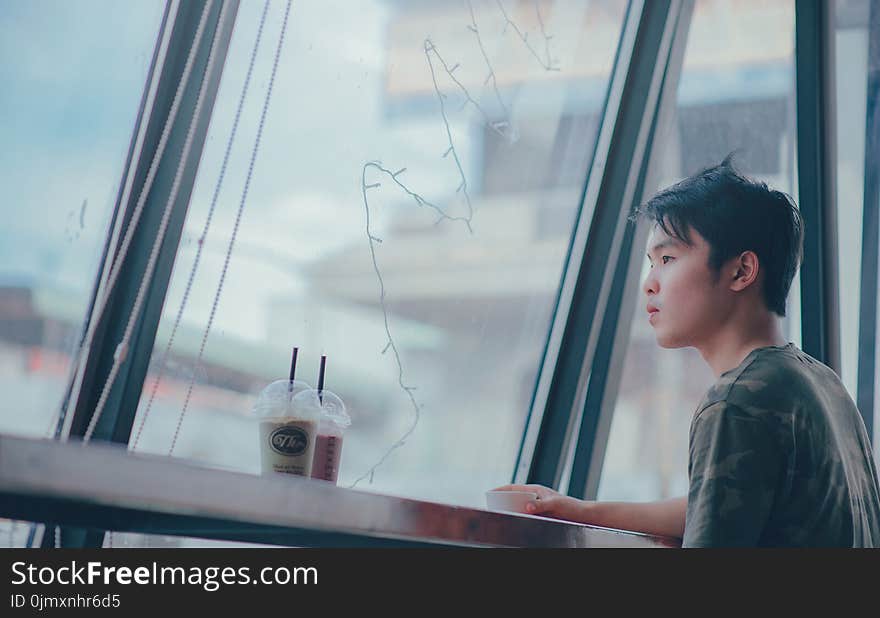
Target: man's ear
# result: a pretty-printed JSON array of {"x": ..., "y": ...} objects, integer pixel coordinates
[{"x": 743, "y": 270}]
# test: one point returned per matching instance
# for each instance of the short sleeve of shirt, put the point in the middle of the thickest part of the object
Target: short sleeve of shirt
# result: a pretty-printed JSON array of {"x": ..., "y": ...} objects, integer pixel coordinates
[{"x": 734, "y": 470}]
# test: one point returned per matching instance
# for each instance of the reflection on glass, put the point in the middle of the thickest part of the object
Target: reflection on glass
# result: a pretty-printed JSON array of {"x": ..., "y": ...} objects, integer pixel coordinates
[
  {"x": 73, "y": 74},
  {"x": 408, "y": 216},
  {"x": 736, "y": 93}
]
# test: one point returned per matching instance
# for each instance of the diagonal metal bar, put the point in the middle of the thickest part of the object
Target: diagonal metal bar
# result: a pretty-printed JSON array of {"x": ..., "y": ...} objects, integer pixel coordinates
[
  {"x": 607, "y": 367},
  {"x": 612, "y": 184},
  {"x": 546, "y": 427},
  {"x": 867, "y": 372}
]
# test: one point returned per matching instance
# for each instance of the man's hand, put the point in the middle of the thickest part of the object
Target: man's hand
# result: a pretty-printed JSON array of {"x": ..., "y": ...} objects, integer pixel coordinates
[{"x": 551, "y": 503}]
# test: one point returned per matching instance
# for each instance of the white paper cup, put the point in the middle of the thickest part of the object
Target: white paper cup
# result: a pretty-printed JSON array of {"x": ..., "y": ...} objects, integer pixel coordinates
[{"x": 509, "y": 501}]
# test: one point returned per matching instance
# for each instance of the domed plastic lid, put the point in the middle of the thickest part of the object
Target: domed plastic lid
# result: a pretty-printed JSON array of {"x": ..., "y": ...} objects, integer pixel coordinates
[
  {"x": 277, "y": 399},
  {"x": 328, "y": 406}
]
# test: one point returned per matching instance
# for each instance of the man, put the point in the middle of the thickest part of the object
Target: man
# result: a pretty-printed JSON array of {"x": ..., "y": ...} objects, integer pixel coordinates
[{"x": 779, "y": 455}]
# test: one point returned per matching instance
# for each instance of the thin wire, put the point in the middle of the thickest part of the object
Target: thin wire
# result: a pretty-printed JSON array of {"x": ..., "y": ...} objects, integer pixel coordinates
[
  {"x": 238, "y": 217},
  {"x": 524, "y": 37},
  {"x": 122, "y": 348},
  {"x": 373, "y": 239},
  {"x": 499, "y": 128},
  {"x": 491, "y": 77},
  {"x": 200, "y": 245}
]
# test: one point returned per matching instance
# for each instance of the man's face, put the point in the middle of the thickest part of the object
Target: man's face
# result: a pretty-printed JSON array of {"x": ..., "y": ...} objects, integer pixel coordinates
[{"x": 686, "y": 301}]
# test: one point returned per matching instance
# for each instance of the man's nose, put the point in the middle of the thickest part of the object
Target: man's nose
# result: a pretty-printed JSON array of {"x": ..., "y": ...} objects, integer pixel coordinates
[{"x": 649, "y": 287}]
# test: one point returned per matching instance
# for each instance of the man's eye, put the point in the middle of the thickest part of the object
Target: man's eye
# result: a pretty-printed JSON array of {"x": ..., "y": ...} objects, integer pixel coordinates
[{"x": 665, "y": 258}]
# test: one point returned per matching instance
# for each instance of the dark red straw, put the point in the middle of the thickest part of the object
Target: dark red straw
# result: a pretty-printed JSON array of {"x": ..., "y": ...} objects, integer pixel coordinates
[
  {"x": 321, "y": 379},
  {"x": 292, "y": 369}
]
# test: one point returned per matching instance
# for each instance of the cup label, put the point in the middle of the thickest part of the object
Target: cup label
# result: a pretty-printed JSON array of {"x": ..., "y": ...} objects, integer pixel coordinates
[
  {"x": 287, "y": 445},
  {"x": 289, "y": 440}
]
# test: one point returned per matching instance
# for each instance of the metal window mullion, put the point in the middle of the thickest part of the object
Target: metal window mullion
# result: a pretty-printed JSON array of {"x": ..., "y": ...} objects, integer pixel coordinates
[
  {"x": 612, "y": 179},
  {"x": 870, "y": 283},
  {"x": 118, "y": 416},
  {"x": 814, "y": 60},
  {"x": 538, "y": 423},
  {"x": 607, "y": 367}
]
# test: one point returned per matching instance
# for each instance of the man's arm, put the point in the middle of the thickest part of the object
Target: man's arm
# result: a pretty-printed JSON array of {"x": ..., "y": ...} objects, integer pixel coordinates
[{"x": 661, "y": 518}]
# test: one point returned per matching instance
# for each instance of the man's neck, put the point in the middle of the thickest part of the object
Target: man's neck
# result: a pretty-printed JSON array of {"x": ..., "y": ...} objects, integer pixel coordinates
[{"x": 731, "y": 346}]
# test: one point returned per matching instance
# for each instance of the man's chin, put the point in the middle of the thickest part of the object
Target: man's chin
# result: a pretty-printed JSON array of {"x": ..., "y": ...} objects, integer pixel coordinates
[{"x": 664, "y": 340}]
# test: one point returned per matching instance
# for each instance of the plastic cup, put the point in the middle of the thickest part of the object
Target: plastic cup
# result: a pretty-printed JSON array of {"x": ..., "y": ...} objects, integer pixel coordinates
[
  {"x": 509, "y": 501},
  {"x": 287, "y": 431},
  {"x": 333, "y": 421}
]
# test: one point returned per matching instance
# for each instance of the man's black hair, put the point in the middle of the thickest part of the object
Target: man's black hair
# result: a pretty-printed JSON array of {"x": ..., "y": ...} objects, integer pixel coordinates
[{"x": 734, "y": 214}]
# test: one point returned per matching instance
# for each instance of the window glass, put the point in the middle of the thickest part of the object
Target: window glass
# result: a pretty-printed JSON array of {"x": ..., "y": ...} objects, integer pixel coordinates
[
  {"x": 408, "y": 214},
  {"x": 851, "y": 72},
  {"x": 856, "y": 103},
  {"x": 736, "y": 93},
  {"x": 73, "y": 74}
]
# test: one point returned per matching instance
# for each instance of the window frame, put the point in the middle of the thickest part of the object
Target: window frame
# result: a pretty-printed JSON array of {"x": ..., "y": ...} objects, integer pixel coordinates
[
  {"x": 870, "y": 281},
  {"x": 566, "y": 433},
  {"x": 817, "y": 177}
]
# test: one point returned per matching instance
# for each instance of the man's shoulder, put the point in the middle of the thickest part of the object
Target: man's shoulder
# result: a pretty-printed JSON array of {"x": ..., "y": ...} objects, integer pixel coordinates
[{"x": 773, "y": 378}]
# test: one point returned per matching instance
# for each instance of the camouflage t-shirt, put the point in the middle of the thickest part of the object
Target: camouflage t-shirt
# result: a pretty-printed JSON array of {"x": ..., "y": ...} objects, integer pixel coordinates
[{"x": 779, "y": 456}]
